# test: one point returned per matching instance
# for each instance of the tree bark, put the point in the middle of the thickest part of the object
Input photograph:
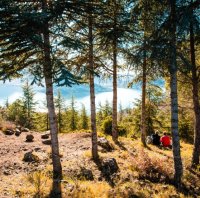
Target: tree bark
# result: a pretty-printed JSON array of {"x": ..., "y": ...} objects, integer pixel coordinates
[
  {"x": 195, "y": 91},
  {"x": 92, "y": 90},
  {"x": 143, "y": 115},
  {"x": 174, "y": 99},
  {"x": 144, "y": 77},
  {"x": 47, "y": 69},
  {"x": 114, "y": 110},
  {"x": 47, "y": 121},
  {"x": 59, "y": 119}
]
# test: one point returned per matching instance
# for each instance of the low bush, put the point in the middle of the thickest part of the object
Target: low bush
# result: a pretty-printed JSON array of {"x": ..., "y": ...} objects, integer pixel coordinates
[{"x": 107, "y": 127}]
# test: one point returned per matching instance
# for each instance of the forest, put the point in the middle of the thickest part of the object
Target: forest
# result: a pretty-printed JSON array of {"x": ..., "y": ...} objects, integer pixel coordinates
[{"x": 70, "y": 152}]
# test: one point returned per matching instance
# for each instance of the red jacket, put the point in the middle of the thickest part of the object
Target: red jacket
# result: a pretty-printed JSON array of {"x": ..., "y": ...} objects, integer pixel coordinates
[{"x": 165, "y": 140}]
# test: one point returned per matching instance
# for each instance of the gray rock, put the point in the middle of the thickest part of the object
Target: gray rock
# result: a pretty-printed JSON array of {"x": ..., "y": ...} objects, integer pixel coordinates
[
  {"x": 86, "y": 174},
  {"x": 8, "y": 132},
  {"x": 109, "y": 166},
  {"x": 17, "y": 132},
  {"x": 25, "y": 130},
  {"x": 29, "y": 138},
  {"x": 104, "y": 143},
  {"x": 7, "y": 172},
  {"x": 45, "y": 136},
  {"x": 47, "y": 142},
  {"x": 30, "y": 157},
  {"x": 18, "y": 127}
]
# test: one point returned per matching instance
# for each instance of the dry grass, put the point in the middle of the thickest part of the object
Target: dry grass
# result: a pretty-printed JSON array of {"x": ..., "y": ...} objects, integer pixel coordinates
[
  {"x": 149, "y": 172},
  {"x": 6, "y": 125},
  {"x": 81, "y": 189},
  {"x": 143, "y": 173}
]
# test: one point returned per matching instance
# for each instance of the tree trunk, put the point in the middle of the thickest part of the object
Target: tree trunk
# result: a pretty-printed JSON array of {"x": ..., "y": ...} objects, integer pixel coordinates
[
  {"x": 47, "y": 69},
  {"x": 143, "y": 115},
  {"x": 195, "y": 91},
  {"x": 114, "y": 110},
  {"x": 144, "y": 78},
  {"x": 92, "y": 91},
  {"x": 59, "y": 118},
  {"x": 47, "y": 121},
  {"x": 174, "y": 100}
]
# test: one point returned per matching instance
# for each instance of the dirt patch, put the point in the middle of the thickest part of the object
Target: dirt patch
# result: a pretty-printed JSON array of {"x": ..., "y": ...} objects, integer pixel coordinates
[{"x": 13, "y": 148}]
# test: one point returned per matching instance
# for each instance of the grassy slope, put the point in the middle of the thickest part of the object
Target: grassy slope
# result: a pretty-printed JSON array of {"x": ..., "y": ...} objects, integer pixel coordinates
[{"x": 143, "y": 173}]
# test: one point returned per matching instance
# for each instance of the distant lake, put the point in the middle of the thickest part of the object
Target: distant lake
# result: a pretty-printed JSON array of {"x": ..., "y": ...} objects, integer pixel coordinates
[
  {"x": 13, "y": 90},
  {"x": 126, "y": 96}
]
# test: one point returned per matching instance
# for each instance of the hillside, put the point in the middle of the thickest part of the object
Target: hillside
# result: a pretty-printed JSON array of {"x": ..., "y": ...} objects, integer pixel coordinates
[{"x": 141, "y": 172}]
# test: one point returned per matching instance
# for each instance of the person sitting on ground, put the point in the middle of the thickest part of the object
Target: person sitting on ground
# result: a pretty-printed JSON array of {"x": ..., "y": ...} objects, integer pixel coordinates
[
  {"x": 149, "y": 139},
  {"x": 165, "y": 141},
  {"x": 156, "y": 139}
]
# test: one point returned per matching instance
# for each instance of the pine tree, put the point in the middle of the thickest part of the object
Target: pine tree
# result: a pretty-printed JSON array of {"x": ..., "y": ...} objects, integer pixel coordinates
[
  {"x": 92, "y": 88},
  {"x": 174, "y": 98},
  {"x": 15, "y": 112},
  {"x": 107, "y": 109},
  {"x": 59, "y": 104},
  {"x": 28, "y": 104},
  {"x": 99, "y": 114},
  {"x": 162, "y": 45},
  {"x": 73, "y": 115},
  {"x": 138, "y": 54},
  {"x": 84, "y": 118},
  {"x": 120, "y": 112},
  {"x": 195, "y": 90},
  {"x": 113, "y": 30}
]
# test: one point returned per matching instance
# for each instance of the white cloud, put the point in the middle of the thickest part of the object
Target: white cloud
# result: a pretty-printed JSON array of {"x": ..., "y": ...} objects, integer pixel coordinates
[
  {"x": 125, "y": 96},
  {"x": 14, "y": 96},
  {"x": 40, "y": 98}
]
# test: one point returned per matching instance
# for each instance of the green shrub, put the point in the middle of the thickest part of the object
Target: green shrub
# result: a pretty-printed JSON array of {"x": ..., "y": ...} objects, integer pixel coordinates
[
  {"x": 122, "y": 130},
  {"x": 185, "y": 131},
  {"x": 107, "y": 127}
]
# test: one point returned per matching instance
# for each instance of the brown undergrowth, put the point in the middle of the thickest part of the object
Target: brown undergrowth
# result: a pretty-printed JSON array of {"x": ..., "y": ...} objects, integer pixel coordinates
[{"x": 143, "y": 172}]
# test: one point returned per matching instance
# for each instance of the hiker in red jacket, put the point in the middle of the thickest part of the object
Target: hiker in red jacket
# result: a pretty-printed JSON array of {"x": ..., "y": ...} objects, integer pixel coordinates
[{"x": 165, "y": 141}]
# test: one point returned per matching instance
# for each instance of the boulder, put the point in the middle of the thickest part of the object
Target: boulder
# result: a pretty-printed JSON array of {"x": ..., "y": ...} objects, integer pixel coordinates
[
  {"x": 29, "y": 138},
  {"x": 30, "y": 157},
  {"x": 17, "y": 132},
  {"x": 45, "y": 136},
  {"x": 8, "y": 132},
  {"x": 86, "y": 174},
  {"x": 25, "y": 130},
  {"x": 47, "y": 142},
  {"x": 104, "y": 143},
  {"x": 109, "y": 166},
  {"x": 7, "y": 172}
]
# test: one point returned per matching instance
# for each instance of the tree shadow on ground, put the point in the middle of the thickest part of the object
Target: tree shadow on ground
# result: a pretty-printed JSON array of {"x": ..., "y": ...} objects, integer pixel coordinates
[
  {"x": 107, "y": 175},
  {"x": 194, "y": 171},
  {"x": 56, "y": 190},
  {"x": 147, "y": 147},
  {"x": 121, "y": 145},
  {"x": 161, "y": 153},
  {"x": 165, "y": 179},
  {"x": 188, "y": 190}
]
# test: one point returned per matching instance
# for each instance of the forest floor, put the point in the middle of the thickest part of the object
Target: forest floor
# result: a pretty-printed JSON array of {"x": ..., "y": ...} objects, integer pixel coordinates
[{"x": 143, "y": 172}]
